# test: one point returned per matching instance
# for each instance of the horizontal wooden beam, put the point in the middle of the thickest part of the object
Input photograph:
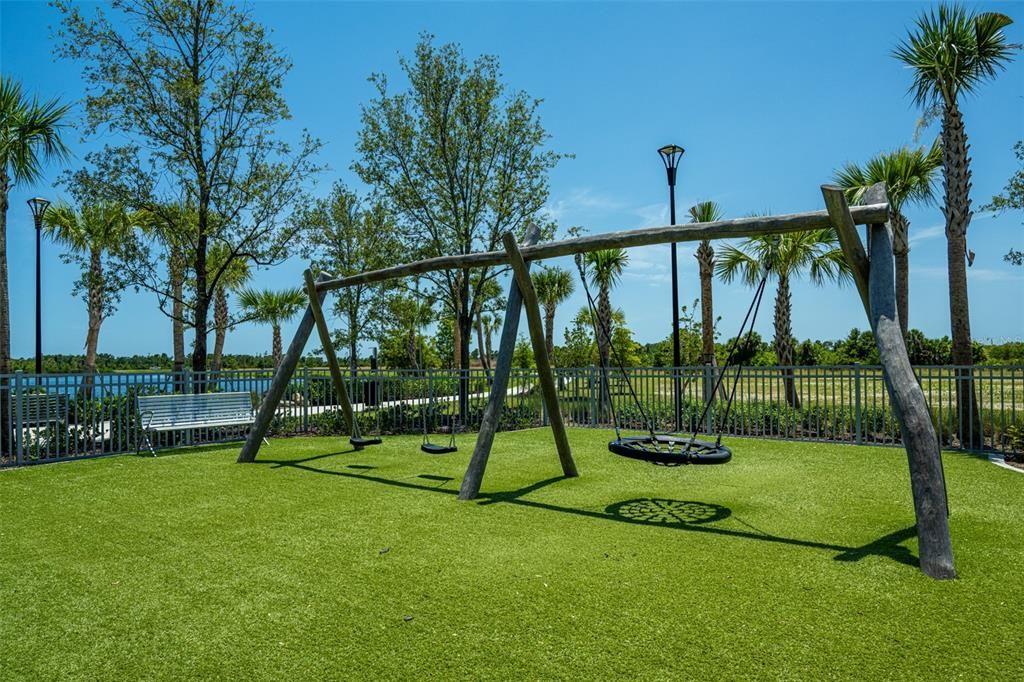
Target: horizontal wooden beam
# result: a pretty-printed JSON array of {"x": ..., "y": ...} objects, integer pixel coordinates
[{"x": 722, "y": 229}]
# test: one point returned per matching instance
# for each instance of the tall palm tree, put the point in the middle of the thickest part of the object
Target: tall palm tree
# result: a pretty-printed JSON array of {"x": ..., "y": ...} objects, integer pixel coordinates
[
  {"x": 273, "y": 308},
  {"x": 784, "y": 257},
  {"x": 706, "y": 212},
  {"x": 605, "y": 268},
  {"x": 30, "y": 135},
  {"x": 951, "y": 52},
  {"x": 909, "y": 175},
  {"x": 554, "y": 285},
  {"x": 234, "y": 276},
  {"x": 89, "y": 234}
]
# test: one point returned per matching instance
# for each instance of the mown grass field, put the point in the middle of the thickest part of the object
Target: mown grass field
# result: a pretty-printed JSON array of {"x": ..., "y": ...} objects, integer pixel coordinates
[{"x": 793, "y": 561}]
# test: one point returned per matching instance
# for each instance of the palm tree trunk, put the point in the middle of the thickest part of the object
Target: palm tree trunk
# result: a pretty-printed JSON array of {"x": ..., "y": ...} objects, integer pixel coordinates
[
  {"x": 95, "y": 313},
  {"x": 5, "y": 321},
  {"x": 957, "y": 179},
  {"x": 706, "y": 262},
  {"x": 604, "y": 318},
  {"x": 900, "y": 249},
  {"x": 549, "y": 328},
  {"x": 276, "y": 347},
  {"x": 220, "y": 326},
  {"x": 783, "y": 341}
]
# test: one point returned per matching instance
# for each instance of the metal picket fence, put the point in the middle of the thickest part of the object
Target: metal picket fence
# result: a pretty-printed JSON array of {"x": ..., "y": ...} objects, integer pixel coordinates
[{"x": 56, "y": 417}]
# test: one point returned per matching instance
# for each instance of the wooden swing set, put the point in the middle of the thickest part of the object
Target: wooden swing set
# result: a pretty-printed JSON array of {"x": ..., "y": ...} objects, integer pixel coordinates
[{"x": 873, "y": 274}]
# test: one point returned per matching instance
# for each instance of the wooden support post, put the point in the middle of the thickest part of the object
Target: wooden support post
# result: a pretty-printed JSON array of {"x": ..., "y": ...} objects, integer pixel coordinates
[
  {"x": 540, "y": 353},
  {"x": 842, "y": 220},
  {"x": 470, "y": 487},
  {"x": 927, "y": 482},
  {"x": 283, "y": 375},
  {"x": 351, "y": 425}
]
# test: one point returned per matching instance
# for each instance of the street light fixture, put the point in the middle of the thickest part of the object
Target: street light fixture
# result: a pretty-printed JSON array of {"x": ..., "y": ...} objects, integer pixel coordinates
[
  {"x": 39, "y": 206},
  {"x": 670, "y": 155}
]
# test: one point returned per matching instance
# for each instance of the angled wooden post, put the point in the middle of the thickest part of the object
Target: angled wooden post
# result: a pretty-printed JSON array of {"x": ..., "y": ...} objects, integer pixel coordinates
[
  {"x": 923, "y": 455},
  {"x": 842, "y": 220},
  {"x": 908, "y": 402},
  {"x": 470, "y": 487},
  {"x": 540, "y": 353},
  {"x": 332, "y": 359},
  {"x": 278, "y": 385}
]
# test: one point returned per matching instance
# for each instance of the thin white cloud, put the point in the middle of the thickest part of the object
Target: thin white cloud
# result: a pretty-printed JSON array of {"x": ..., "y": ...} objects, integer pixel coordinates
[
  {"x": 926, "y": 233},
  {"x": 580, "y": 200},
  {"x": 980, "y": 274}
]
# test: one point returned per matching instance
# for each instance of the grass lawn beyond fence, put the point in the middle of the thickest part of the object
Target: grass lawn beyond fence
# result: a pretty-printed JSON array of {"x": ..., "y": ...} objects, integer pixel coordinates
[{"x": 795, "y": 560}]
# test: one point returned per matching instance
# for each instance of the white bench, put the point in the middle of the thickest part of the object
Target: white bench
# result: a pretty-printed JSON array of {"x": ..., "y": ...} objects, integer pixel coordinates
[{"x": 180, "y": 411}]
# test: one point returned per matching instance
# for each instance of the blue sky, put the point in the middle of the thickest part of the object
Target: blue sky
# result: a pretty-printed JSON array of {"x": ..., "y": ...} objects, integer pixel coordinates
[{"x": 768, "y": 99}]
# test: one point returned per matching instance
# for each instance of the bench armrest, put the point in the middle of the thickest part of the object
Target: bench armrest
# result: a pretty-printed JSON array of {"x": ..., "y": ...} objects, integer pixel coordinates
[{"x": 142, "y": 417}]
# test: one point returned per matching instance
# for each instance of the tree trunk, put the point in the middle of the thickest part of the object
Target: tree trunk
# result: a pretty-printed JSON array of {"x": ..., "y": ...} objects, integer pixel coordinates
[
  {"x": 202, "y": 312},
  {"x": 353, "y": 356},
  {"x": 900, "y": 249},
  {"x": 95, "y": 314},
  {"x": 957, "y": 179},
  {"x": 549, "y": 328},
  {"x": 220, "y": 327},
  {"x": 706, "y": 261},
  {"x": 465, "y": 331},
  {"x": 5, "y": 306},
  {"x": 276, "y": 352},
  {"x": 176, "y": 275},
  {"x": 5, "y": 322},
  {"x": 783, "y": 341},
  {"x": 485, "y": 361},
  {"x": 604, "y": 319}
]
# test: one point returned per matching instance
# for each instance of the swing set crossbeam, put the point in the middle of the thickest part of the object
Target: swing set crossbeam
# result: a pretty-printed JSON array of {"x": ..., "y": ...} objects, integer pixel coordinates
[{"x": 647, "y": 236}]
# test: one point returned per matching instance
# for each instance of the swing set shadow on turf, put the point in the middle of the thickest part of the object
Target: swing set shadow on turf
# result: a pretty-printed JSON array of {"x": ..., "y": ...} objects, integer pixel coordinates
[
  {"x": 872, "y": 273},
  {"x": 682, "y": 515}
]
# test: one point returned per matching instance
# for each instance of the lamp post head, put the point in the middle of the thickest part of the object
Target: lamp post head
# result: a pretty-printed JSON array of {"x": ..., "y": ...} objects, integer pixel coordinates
[
  {"x": 38, "y": 206},
  {"x": 670, "y": 155}
]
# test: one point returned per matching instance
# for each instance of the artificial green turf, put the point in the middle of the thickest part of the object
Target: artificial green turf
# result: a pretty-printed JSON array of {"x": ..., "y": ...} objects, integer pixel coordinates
[{"x": 320, "y": 562}]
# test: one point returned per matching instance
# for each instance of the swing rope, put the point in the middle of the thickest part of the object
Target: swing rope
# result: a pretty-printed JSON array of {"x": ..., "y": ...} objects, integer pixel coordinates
[{"x": 663, "y": 449}]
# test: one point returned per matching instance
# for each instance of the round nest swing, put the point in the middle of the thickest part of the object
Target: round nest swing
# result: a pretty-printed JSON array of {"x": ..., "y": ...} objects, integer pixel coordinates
[
  {"x": 667, "y": 449},
  {"x": 670, "y": 450}
]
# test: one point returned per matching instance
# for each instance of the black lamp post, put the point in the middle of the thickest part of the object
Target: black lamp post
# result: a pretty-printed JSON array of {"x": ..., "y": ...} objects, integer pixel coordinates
[
  {"x": 39, "y": 206},
  {"x": 670, "y": 155}
]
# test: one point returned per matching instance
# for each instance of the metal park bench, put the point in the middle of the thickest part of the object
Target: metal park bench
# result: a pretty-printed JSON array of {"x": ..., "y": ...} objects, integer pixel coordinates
[
  {"x": 43, "y": 409},
  {"x": 180, "y": 411}
]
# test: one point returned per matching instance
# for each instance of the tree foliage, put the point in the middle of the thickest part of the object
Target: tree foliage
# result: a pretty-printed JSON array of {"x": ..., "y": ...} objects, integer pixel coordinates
[
  {"x": 461, "y": 161},
  {"x": 189, "y": 92},
  {"x": 345, "y": 235}
]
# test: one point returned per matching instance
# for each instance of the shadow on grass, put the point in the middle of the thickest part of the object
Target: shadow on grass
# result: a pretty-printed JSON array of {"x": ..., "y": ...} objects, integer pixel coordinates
[{"x": 684, "y": 515}]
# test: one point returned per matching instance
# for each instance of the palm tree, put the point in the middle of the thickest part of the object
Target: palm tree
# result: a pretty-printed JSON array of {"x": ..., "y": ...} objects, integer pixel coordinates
[
  {"x": 706, "y": 212},
  {"x": 554, "y": 285},
  {"x": 909, "y": 175},
  {"x": 784, "y": 257},
  {"x": 605, "y": 268},
  {"x": 89, "y": 234},
  {"x": 273, "y": 308},
  {"x": 951, "y": 52},
  {"x": 234, "y": 276},
  {"x": 30, "y": 135}
]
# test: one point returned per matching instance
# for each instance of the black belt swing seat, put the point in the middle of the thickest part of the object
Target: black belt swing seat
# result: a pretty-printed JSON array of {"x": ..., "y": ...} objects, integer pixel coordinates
[
  {"x": 669, "y": 449},
  {"x": 436, "y": 448}
]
